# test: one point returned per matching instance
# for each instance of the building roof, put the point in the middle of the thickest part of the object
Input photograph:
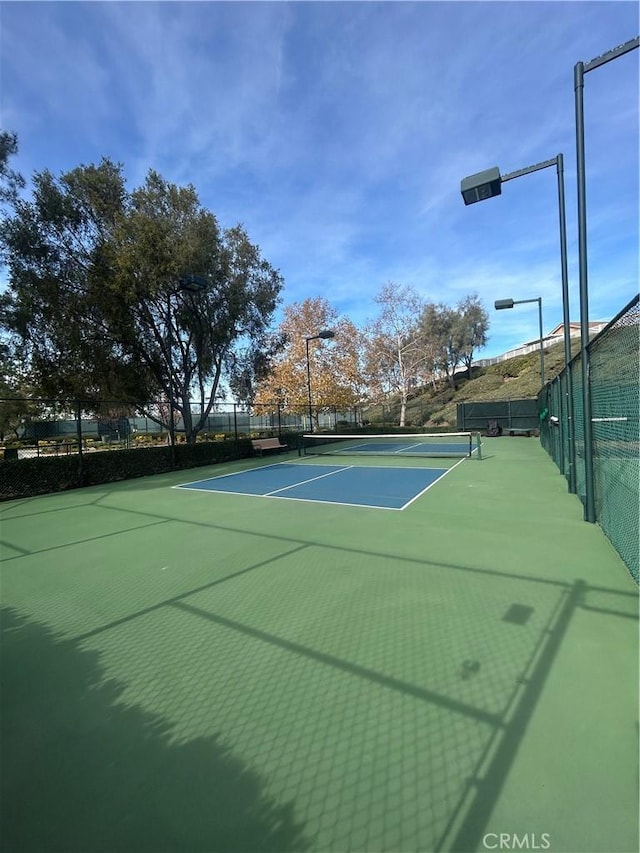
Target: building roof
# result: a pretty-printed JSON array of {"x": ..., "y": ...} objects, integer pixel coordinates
[{"x": 594, "y": 326}]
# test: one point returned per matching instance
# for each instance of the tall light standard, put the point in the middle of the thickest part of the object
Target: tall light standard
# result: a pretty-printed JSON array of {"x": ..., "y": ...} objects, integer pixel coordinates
[
  {"x": 186, "y": 284},
  {"x": 500, "y": 304},
  {"x": 488, "y": 184},
  {"x": 324, "y": 335},
  {"x": 579, "y": 70}
]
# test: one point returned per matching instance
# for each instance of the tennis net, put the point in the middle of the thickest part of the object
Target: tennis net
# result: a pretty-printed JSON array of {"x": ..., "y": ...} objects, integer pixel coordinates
[{"x": 450, "y": 444}]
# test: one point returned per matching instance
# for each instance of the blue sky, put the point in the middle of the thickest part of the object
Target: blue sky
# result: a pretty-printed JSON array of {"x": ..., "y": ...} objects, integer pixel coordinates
[{"x": 338, "y": 134}]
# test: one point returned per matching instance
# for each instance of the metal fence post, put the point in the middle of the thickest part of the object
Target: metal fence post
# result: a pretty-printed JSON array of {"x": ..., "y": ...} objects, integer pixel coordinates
[{"x": 79, "y": 434}]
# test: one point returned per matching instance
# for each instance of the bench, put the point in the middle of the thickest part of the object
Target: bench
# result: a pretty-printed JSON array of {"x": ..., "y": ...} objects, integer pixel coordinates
[{"x": 262, "y": 444}]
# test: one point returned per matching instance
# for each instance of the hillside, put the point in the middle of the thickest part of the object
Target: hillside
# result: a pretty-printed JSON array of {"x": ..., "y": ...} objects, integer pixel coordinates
[{"x": 514, "y": 379}]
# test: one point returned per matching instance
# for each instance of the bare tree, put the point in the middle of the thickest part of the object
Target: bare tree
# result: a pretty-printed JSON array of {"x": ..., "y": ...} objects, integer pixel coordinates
[{"x": 397, "y": 356}]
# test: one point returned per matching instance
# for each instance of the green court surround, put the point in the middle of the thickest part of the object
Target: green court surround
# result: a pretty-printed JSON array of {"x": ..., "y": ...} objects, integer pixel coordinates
[{"x": 214, "y": 672}]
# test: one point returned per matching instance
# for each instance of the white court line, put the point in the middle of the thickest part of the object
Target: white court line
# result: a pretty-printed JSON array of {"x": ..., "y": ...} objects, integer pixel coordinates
[
  {"x": 399, "y": 467},
  {"x": 444, "y": 474},
  {"x": 191, "y": 485},
  {"x": 275, "y": 494},
  {"x": 231, "y": 474},
  {"x": 331, "y": 503},
  {"x": 275, "y": 497},
  {"x": 302, "y": 482},
  {"x": 188, "y": 488}
]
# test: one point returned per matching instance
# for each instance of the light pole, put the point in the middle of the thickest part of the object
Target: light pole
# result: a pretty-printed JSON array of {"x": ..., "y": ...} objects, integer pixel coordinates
[
  {"x": 186, "y": 284},
  {"x": 326, "y": 334},
  {"x": 488, "y": 184},
  {"x": 579, "y": 70},
  {"x": 501, "y": 304}
]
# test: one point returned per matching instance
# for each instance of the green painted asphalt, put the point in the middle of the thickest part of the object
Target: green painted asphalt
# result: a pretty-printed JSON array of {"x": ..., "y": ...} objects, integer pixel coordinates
[{"x": 188, "y": 671}]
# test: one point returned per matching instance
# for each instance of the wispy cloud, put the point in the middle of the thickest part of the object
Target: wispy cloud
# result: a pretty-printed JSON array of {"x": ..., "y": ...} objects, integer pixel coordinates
[{"x": 338, "y": 133}]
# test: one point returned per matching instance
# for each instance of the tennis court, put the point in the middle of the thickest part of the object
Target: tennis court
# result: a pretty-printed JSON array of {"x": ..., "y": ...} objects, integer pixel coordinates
[
  {"x": 199, "y": 668},
  {"x": 367, "y": 476},
  {"x": 352, "y": 485}
]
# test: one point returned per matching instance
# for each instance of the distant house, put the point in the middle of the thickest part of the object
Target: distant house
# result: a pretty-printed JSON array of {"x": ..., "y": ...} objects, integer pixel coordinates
[{"x": 555, "y": 336}]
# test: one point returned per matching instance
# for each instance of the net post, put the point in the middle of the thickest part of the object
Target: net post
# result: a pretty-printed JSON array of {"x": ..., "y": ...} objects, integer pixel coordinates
[{"x": 479, "y": 440}]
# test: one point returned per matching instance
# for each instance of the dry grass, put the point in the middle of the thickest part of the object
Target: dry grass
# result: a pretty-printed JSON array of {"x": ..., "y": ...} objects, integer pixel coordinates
[{"x": 514, "y": 379}]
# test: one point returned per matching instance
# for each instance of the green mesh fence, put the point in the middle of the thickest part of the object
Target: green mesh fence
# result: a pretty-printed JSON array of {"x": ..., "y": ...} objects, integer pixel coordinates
[
  {"x": 578, "y": 420},
  {"x": 614, "y": 371},
  {"x": 564, "y": 435},
  {"x": 521, "y": 414},
  {"x": 615, "y": 377}
]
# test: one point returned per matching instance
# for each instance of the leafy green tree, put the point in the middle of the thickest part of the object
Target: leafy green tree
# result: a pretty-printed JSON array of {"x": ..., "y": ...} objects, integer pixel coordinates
[
  {"x": 53, "y": 246},
  {"x": 10, "y": 181},
  {"x": 132, "y": 296},
  {"x": 474, "y": 322},
  {"x": 440, "y": 326},
  {"x": 16, "y": 412},
  {"x": 454, "y": 333},
  {"x": 200, "y": 300},
  {"x": 18, "y": 403}
]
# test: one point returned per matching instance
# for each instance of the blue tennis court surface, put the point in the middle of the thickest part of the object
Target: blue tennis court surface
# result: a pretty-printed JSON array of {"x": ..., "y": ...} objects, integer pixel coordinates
[{"x": 381, "y": 488}]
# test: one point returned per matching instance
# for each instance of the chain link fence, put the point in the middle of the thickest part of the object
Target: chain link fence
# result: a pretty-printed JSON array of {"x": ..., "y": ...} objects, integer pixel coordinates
[
  {"x": 43, "y": 427},
  {"x": 49, "y": 445},
  {"x": 512, "y": 416},
  {"x": 614, "y": 376}
]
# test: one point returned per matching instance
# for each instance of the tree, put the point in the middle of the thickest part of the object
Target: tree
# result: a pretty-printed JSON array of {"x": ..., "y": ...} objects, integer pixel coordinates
[
  {"x": 132, "y": 296},
  {"x": 14, "y": 407},
  {"x": 397, "y": 356},
  {"x": 54, "y": 308},
  {"x": 17, "y": 404},
  {"x": 335, "y": 369},
  {"x": 10, "y": 181},
  {"x": 190, "y": 337},
  {"x": 474, "y": 322},
  {"x": 454, "y": 333},
  {"x": 440, "y": 325}
]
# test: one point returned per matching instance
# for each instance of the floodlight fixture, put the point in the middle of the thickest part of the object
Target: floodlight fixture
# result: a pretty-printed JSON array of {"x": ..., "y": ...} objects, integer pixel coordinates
[
  {"x": 501, "y": 304},
  {"x": 487, "y": 184},
  {"x": 481, "y": 186}
]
